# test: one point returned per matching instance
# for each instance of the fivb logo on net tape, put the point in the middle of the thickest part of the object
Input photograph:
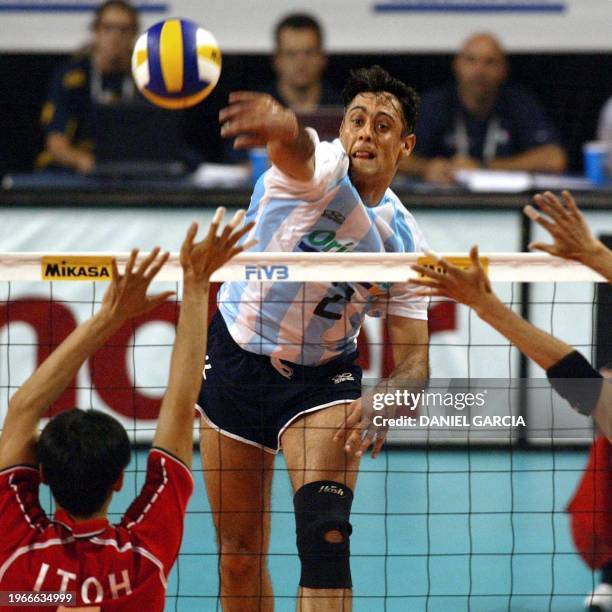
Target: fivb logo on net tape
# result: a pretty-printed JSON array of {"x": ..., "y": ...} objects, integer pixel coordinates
[
  {"x": 74, "y": 6},
  {"x": 471, "y": 6}
]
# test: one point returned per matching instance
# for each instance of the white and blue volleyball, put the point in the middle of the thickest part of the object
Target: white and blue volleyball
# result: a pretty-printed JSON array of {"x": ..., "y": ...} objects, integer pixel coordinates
[{"x": 176, "y": 63}]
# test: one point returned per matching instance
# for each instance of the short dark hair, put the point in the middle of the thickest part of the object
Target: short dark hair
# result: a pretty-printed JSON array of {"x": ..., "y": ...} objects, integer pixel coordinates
[
  {"x": 82, "y": 454},
  {"x": 299, "y": 21},
  {"x": 118, "y": 4},
  {"x": 377, "y": 80}
]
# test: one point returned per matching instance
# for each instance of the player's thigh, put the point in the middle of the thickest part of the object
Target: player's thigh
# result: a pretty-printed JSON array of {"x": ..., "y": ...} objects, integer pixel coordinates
[
  {"x": 311, "y": 453},
  {"x": 238, "y": 478}
]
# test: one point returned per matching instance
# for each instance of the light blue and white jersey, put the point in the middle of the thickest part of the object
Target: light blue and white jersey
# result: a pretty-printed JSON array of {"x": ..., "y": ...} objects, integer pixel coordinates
[{"x": 311, "y": 323}]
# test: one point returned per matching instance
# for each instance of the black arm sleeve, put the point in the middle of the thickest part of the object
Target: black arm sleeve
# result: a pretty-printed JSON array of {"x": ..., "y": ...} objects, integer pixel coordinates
[{"x": 576, "y": 381}]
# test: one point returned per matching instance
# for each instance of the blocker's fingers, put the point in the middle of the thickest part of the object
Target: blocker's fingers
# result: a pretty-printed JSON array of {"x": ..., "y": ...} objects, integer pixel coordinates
[
  {"x": 237, "y": 219},
  {"x": 214, "y": 224},
  {"x": 237, "y": 235},
  {"x": 475, "y": 258},
  {"x": 544, "y": 222},
  {"x": 551, "y": 205},
  {"x": 531, "y": 212},
  {"x": 427, "y": 272},
  {"x": 192, "y": 230},
  {"x": 570, "y": 202},
  {"x": 247, "y": 245},
  {"x": 115, "y": 271},
  {"x": 424, "y": 282},
  {"x": 541, "y": 246},
  {"x": 156, "y": 266},
  {"x": 146, "y": 262},
  {"x": 159, "y": 298},
  {"x": 129, "y": 266}
]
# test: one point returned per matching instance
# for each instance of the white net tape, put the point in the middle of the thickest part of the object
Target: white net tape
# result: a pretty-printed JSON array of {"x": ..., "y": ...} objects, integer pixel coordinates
[{"x": 324, "y": 267}]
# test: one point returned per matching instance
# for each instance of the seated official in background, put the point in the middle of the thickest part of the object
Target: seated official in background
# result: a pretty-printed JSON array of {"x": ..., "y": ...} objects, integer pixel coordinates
[
  {"x": 82, "y": 455},
  {"x": 481, "y": 121},
  {"x": 299, "y": 63},
  {"x": 98, "y": 75}
]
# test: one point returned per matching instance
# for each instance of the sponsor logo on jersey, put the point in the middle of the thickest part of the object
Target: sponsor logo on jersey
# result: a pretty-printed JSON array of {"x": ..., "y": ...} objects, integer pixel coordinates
[
  {"x": 334, "y": 215},
  {"x": 344, "y": 377},
  {"x": 324, "y": 240},
  {"x": 76, "y": 268}
]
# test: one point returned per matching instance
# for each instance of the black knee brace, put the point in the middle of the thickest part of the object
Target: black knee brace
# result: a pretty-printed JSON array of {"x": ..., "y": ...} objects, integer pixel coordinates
[{"x": 320, "y": 508}]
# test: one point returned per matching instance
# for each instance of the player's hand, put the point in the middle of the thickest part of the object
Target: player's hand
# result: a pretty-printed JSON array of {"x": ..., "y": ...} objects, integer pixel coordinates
[
  {"x": 200, "y": 259},
  {"x": 439, "y": 170},
  {"x": 471, "y": 287},
  {"x": 358, "y": 432},
  {"x": 257, "y": 119},
  {"x": 572, "y": 238},
  {"x": 126, "y": 297}
]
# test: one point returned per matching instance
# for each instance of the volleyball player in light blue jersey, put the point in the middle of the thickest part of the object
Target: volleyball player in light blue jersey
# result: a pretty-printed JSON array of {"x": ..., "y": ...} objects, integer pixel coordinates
[
  {"x": 281, "y": 370},
  {"x": 325, "y": 215}
]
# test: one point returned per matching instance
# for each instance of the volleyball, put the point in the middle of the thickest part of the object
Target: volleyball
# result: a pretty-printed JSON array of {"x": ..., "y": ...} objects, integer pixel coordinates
[{"x": 176, "y": 63}]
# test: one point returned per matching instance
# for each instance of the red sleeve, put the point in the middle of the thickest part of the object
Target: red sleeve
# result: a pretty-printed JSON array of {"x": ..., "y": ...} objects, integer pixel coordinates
[
  {"x": 155, "y": 518},
  {"x": 22, "y": 515},
  {"x": 591, "y": 508}
]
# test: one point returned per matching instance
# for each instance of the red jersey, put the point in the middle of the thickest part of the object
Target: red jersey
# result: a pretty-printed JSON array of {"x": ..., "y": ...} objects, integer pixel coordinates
[{"x": 110, "y": 567}]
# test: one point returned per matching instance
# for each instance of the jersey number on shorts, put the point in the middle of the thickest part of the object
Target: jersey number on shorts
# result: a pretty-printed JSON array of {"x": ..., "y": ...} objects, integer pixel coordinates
[{"x": 344, "y": 297}]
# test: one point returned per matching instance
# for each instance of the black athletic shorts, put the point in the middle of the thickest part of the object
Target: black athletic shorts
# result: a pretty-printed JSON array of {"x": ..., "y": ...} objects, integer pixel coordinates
[{"x": 246, "y": 398}]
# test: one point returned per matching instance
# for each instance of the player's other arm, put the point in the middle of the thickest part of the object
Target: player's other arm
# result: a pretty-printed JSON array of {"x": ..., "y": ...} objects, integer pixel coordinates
[
  {"x": 126, "y": 297},
  {"x": 199, "y": 260},
  {"x": 258, "y": 120},
  {"x": 472, "y": 287},
  {"x": 410, "y": 345}
]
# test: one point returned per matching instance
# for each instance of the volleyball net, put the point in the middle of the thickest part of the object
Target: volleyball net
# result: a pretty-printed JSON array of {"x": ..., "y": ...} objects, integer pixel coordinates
[
  {"x": 449, "y": 517},
  {"x": 39, "y": 307}
]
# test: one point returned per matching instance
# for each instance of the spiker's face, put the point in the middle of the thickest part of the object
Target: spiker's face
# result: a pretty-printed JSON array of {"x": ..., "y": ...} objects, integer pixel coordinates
[{"x": 373, "y": 133}]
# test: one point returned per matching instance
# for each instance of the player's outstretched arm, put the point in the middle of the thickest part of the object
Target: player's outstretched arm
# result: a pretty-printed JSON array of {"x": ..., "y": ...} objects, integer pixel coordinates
[
  {"x": 126, "y": 297},
  {"x": 199, "y": 260},
  {"x": 572, "y": 238},
  {"x": 258, "y": 120},
  {"x": 472, "y": 288}
]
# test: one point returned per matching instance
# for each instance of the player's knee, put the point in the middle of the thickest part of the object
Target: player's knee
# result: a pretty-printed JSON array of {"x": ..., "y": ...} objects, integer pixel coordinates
[
  {"x": 322, "y": 512},
  {"x": 240, "y": 558}
]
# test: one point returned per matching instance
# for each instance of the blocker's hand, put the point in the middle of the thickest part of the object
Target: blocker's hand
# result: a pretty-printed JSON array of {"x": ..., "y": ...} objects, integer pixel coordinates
[
  {"x": 358, "y": 431},
  {"x": 200, "y": 259},
  {"x": 126, "y": 297},
  {"x": 470, "y": 287},
  {"x": 566, "y": 224},
  {"x": 257, "y": 119}
]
